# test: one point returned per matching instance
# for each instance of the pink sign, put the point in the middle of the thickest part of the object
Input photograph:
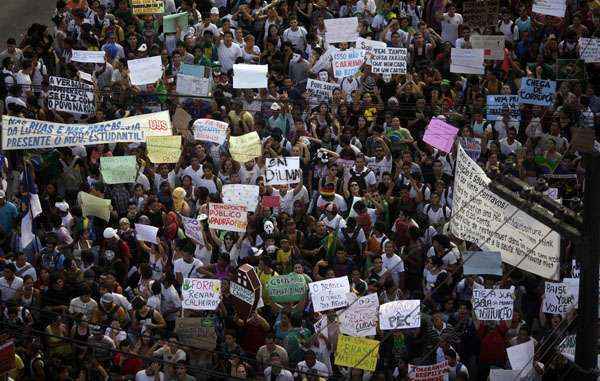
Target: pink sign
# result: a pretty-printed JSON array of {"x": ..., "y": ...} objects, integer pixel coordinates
[{"x": 440, "y": 135}]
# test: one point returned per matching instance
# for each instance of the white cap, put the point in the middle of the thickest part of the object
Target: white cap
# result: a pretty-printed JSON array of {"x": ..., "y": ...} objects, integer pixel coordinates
[
  {"x": 143, "y": 48},
  {"x": 275, "y": 106},
  {"x": 110, "y": 233},
  {"x": 62, "y": 206},
  {"x": 214, "y": 11}
]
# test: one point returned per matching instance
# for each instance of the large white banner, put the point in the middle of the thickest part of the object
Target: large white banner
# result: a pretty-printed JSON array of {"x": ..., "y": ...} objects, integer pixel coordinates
[
  {"x": 341, "y": 30},
  {"x": 22, "y": 133},
  {"x": 466, "y": 61},
  {"x": 493, "y": 304},
  {"x": 329, "y": 294},
  {"x": 478, "y": 216},
  {"x": 401, "y": 314},
  {"x": 71, "y": 96},
  {"x": 144, "y": 71},
  {"x": 283, "y": 170},
  {"x": 360, "y": 318}
]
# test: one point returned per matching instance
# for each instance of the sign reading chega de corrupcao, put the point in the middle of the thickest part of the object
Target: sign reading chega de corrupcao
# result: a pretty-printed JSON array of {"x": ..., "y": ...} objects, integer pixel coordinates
[{"x": 22, "y": 133}]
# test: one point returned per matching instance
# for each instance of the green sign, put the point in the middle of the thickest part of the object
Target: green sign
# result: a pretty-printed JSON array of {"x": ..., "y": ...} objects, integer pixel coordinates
[
  {"x": 287, "y": 288},
  {"x": 118, "y": 169}
]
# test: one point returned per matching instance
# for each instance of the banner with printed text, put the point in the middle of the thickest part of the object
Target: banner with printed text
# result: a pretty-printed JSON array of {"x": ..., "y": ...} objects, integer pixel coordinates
[
  {"x": 193, "y": 228},
  {"x": 556, "y": 8},
  {"x": 480, "y": 217},
  {"x": 559, "y": 298},
  {"x": 22, "y": 133},
  {"x": 321, "y": 90},
  {"x": 589, "y": 49},
  {"x": 496, "y": 104}
]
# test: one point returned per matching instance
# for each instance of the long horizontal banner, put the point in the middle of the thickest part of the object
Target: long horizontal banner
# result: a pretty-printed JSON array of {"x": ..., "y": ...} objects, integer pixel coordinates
[{"x": 21, "y": 133}]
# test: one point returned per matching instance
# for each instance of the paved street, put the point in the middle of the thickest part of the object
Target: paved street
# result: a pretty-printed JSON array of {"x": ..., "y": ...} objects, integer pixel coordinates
[{"x": 17, "y": 15}]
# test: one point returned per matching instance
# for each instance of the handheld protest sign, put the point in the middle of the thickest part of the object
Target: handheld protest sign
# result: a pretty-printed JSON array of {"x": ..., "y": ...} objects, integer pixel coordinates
[{"x": 246, "y": 291}]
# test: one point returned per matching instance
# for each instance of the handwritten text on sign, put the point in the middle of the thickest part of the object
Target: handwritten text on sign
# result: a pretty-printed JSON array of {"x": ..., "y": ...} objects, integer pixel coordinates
[
  {"x": 210, "y": 130},
  {"x": 493, "y": 304},
  {"x": 360, "y": 318},
  {"x": 71, "y": 96},
  {"x": 440, "y": 135},
  {"x": 558, "y": 298},
  {"x": 496, "y": 104},
  {"x": 321, "y": 90},
  {"x": 346, "y": 63},
  {"x": 201, "y": 294},
  {"x": 389, "y": 60},
  {"x": 495, "y": 225},
  {"x": 21, "y": 133},
  {"x": 283, "y": 170},
  {"x": 227, "y": 217},
  {"x": 537, "y": 91},
  {"x": 329, "y": 294},
  {"x": 357, "y": 352},
  {"x": 401, "y": 314}
]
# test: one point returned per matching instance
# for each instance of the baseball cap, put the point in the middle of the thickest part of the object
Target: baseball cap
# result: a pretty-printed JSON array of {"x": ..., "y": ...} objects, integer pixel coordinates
[
  {"x": 275, "y": 107},
  {"x": 110, "y": 233},
  {"x": 62, "y": 206},
  {"x": 214, "y": 11},
  {"x": 106, "y": 298}
]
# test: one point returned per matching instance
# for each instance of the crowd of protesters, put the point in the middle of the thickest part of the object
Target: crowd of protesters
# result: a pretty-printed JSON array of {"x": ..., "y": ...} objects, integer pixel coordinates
[{"x": 86, "y": 300}]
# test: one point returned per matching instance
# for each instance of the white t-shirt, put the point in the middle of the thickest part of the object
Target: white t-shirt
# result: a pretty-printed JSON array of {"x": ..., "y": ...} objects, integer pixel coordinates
[
  {"x": 24, "y": 80},
  {"x": 141, "y": 376},
  {"x": 451, "y": 257},
  {"x": 319, "y": 367},
  {"x": 28, "y": 269},
  {"x": 10, "y": 290},
  {"x": 450, "y": 27},
  {"x": 394, "y": 265},
  {"x": 185, "y": 268},
  {"x": 507, "y": 148},
  {"x": 196, "y": 175},
  {"x": 296, "y": 37},
  {"x": 228, "y": 55},
  {"x": 78, "y": 306}
]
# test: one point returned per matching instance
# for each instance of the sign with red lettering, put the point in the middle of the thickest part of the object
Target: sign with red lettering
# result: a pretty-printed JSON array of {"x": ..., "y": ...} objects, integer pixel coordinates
[
  {"x": 227, "y": 217},
  {"x": 429, "y": 373}
]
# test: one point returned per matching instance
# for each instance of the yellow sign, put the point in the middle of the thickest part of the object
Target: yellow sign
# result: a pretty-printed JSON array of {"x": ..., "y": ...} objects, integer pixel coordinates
[
  {"x": 147, "y": 7},
  {"x": 357, "y": 352},
  {"x": 163, "y": 149},
  {"x": 245, "y": 148},
  {"x": 95, "y": 206}
]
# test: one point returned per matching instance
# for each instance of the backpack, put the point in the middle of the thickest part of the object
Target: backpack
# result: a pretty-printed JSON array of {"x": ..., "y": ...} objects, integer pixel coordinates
[
  {"x": 428, "y": 207},
  {"x": 4, "y": 89}
]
